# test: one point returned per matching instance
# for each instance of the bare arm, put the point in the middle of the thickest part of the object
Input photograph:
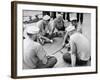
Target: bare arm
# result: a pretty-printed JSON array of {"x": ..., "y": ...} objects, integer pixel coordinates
[
  {"x": 64, "y": 41},
  {"x": 54, "y": 25},
  {"x": 53, "y": 30},
  {"x": 73, "y": 59},
  {"x": 73, "y": 54}
]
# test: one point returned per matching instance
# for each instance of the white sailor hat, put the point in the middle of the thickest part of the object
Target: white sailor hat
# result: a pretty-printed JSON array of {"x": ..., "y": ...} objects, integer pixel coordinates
[
  {"x": 73, "y": 18},
  {"x": 32, "y": 30},
  {"x": 46, "y": 17},
  {"x": 70, "y": 28}
]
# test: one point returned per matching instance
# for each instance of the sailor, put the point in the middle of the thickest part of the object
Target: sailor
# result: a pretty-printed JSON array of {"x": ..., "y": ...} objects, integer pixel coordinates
[
  {"x": 34, "y": 55},
  {"x": 44, "y": 29},
  {"x": 72, "y": 27},
  {"x": 79, "y": 53},
  {"x": 58, "y": 25}
]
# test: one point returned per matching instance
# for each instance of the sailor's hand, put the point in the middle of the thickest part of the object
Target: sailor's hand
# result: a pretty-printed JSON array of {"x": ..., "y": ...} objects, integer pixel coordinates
[{"x": 48, "y": 57}]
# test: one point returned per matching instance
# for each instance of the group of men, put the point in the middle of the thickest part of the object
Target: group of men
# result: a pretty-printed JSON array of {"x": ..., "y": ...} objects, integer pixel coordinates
[{"x": 35, "y": 56}]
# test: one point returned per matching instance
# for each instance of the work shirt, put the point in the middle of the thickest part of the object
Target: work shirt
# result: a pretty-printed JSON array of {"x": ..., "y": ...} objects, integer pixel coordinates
[
  {"x": 80, "y": 46},
  {"x": 33, "y": 52}
]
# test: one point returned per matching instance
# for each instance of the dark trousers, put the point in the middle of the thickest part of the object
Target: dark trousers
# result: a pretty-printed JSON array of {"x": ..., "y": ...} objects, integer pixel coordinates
[
  {"x": 48, "y": 36},
  {"x": 50, "y": 63},
  {"x": 53, "y": 35},
  {"x": 67, "y": 58},
  {"x": 61, "y": 29}
]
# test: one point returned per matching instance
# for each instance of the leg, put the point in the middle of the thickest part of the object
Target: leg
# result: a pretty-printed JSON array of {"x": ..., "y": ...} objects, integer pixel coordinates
[
  {"x": 46, "y": 39},
  {"x": 80, "y": 62},
  {"x": 43, "y": 39},
  {"x": 50, "y": 63},
  {"x": 67, "y": 57}
]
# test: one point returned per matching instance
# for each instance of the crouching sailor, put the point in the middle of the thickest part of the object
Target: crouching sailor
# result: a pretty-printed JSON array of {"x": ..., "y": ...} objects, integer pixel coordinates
[{"x": 34, "y": 55}]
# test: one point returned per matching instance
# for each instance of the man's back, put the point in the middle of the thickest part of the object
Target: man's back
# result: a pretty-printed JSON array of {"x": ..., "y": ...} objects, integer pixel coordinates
[
  {"x": 30, "y": 49},
  {"x": 82, "y": 46},
  {"x": 33, "y": 52}
]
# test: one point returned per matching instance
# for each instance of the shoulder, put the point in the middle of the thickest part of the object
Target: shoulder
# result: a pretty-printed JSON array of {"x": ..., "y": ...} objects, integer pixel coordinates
[
  {"x": 55, "y": 20},
  {"x": 31, "y": 42},
  {"x": 27, "y": 40},
  {"x": 39, "y": 22},
  {"x": 75, "y": 36},
  {"x": 36, "y": 44}
]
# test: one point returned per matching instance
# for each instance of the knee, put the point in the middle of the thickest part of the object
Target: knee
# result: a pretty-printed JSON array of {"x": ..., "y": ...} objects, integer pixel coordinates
[
  {"x": 67, "y": 57},
  {"x": 53, "y": 59}
]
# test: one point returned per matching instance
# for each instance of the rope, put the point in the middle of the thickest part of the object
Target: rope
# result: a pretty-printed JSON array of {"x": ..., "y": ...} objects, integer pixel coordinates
[{"x": 57, "y": 51}]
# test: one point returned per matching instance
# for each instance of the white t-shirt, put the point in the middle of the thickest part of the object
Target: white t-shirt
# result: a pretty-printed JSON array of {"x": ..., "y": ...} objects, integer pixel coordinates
[
  {"x": 80, "y": 46},
  {"x": 32, "y": 52}
]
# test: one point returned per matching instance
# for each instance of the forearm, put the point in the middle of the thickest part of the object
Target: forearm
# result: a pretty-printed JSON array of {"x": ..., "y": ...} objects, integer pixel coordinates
[
  {"x": 53, "y": 30},
  {"x": 73, "y": 60},
  {"x": 54, "y": 25},
  {"x": 64, "y": 38}
]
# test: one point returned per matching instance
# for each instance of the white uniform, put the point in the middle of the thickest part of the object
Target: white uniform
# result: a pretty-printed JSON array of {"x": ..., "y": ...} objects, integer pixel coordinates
[
  {"x": 33, "y": 52},
  {"x": 80, "y": 46}
]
